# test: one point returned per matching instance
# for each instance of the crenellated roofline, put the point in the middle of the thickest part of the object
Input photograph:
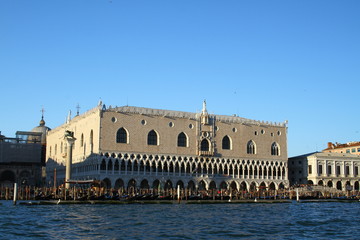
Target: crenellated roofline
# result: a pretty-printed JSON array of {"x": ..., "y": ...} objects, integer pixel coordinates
[{"x": 189, "y": 115}]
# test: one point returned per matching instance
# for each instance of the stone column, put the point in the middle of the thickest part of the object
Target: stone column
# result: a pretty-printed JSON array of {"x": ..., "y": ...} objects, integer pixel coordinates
[{"x": 69, "y": 136}]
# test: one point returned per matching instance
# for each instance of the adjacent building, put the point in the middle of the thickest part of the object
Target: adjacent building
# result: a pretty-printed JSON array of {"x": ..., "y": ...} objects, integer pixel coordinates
[
  {"x": 331, "y": 169},
  {"x": 152, "y": 148},
  {"x": 22, "y": 158},
  {"x": 350, "y": 147}
]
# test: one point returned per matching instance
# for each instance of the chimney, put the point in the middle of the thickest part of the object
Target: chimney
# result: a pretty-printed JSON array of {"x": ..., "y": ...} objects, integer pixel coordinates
[{"x": 330, "y": 145}]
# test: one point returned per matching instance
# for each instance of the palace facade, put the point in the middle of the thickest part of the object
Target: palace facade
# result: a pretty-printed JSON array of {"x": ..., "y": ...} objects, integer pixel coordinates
[{"x": 147, "y": 148}]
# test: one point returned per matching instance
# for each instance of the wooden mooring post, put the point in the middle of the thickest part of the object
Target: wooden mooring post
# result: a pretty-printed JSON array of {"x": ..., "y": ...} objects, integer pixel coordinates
[{"x": 15, "y": 193}]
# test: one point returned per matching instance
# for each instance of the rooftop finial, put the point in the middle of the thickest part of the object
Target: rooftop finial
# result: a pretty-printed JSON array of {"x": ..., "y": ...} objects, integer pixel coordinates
[
  {"x": 42, "y": 113},
  {"x": 77, "y": 109},
  {"x": 42, "y": 122},
  {"x": 68, "y": 117},
  {"x": 204, "y": 107}
]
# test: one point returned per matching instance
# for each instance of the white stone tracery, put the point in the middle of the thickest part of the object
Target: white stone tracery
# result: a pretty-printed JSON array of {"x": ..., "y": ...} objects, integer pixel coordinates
[{"x": 125, "y": 166}]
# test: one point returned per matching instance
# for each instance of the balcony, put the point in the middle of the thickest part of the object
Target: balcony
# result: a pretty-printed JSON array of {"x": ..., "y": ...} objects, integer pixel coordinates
[{"x": 205, "y": 153}]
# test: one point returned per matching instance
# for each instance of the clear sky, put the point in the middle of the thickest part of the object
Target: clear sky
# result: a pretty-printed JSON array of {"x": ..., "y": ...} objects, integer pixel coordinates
[{"x": 261, "y": 59}]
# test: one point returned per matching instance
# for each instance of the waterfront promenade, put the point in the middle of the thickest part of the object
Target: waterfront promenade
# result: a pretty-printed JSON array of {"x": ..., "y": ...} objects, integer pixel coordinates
[{"x": 131, "y": 194}]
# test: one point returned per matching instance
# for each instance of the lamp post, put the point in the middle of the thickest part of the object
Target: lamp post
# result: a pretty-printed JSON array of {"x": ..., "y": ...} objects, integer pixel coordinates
[{"x": 69, "y": 136}]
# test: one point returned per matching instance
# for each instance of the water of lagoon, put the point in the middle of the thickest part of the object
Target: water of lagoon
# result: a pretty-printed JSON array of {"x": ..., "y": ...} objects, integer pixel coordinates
[{"x": 328, "y": 220}]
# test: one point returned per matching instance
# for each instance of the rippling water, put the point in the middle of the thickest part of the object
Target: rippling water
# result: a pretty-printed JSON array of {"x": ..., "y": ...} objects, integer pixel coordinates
[{"x": 181, "y": 221}]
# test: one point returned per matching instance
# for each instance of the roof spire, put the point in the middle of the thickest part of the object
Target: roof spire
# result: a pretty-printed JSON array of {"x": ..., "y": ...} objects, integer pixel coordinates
[
  {"x": 42, "y": 122},
  {"x": 204, "y": 110},
  {"x": 68, "y": 117},
  {"x": 77, "y": 109},
  {"x": 42, "y": 112}
]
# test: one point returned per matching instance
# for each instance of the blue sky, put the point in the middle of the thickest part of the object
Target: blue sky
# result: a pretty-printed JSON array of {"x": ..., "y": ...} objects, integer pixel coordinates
[{"x": 264, "y": 60}]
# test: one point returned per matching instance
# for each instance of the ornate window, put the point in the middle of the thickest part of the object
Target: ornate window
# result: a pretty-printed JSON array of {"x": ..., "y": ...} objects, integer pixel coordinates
[
  {"x": 251, "y": 147},
  {"x": 182, "y": 140},
  {"x": 226, "y": 144},
  {"x": 275, "y": 149},
  {"x": 121, "y": 136},
  {"x": 205, "y": 145},
  {"x": 152, "y": 138}
]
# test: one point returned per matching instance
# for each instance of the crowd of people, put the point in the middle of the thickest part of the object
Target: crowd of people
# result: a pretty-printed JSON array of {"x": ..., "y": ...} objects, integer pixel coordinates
[
  {"x": 100, "y": 193},
  {"x": 92, "y": 192}
]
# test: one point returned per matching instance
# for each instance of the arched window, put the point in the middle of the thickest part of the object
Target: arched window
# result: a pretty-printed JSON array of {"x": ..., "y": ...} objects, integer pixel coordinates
[
  {"x": 251, "y": 148},
  {"x": 182, "y": 140},
  {"x": 103, "y": 165},
  {"x": 110, "y": 165},
  {"x": 152, "y": 138},
  {"x": 275, "y": 149},
  {"x": 91, "y": 141},
  {"x": 226, "y": 143},
  {"x": 205, "y": 145},
  {"x": 82, "y": 140},
  {"x": 121, "y": 136}
]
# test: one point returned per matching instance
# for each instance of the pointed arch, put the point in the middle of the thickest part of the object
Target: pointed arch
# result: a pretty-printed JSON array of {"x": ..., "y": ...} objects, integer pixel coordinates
[
  {"x": 153, "y": 138},
  {"x": 188, "y": 169},
  {"x": 165, "y": 167},
  {"x": 212, "y": 185},
  {"x": 202, "y": 185},
  {"x": 253, "y": 187},
  {"x": 182, "y": 140},
  {"x": 205, "y": 145},
  {"x": 223, "y": 185},
  {"x": 191, "y": 185},
  {"x": 135, "y": 167},
  {"x": 116, "y": 165},
  {"x": 176, "y": 168},
  {"x": 182, "y": 167},
  {"x": 91, "y": 141},
  {"x": 119, "y": 183},
  {"x": 243, "y": 186},
  {"x": 106, "y": 182},
  {"x": 251, "y": 147},
  {"x": 122, "y": 165},
  {"x": 142, "y": 166},
  {"x": 82, "y": 140},
  {"x": 148, "y": 166},
  {"x": 233, "y": 186},
  {"x": 180, "y": 183},
  {"x": 109, "y": 165},
  {"x": 168, "y": 185},
  {"x": 144, "y": 184},
  {"x": 103, "y": 165},
  {"x": 171, "y": 166},
  {"x": 226, "y": 143},
  {"x": 275, "y": 149},
  {"x": 122, "y": 136}
]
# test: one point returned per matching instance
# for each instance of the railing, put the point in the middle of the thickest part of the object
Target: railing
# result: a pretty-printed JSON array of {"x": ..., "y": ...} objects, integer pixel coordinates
[
  {"x": 187, "y": 174},
  {"x": 205, "y": 153}
]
